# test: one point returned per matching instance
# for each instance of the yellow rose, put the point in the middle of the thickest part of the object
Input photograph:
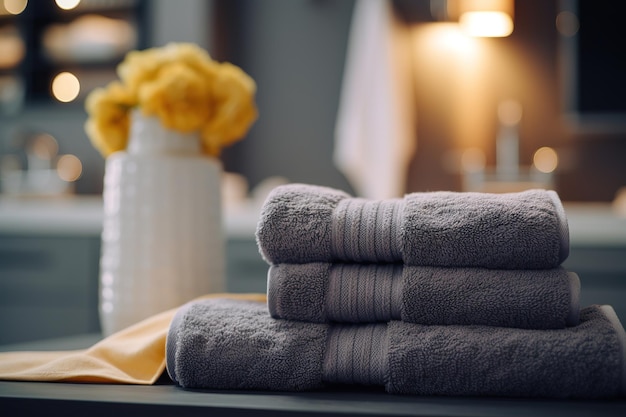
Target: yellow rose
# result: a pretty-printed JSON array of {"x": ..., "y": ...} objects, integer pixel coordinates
[
  {"x": 192, "y": 56},
  {"x": 179, "y": 96},
  {"x": 235, "y": 110},
  {"x": 182, "y": 86},
  {"x": 109, "y": 123},
  {"x": 139, "y": 67}
]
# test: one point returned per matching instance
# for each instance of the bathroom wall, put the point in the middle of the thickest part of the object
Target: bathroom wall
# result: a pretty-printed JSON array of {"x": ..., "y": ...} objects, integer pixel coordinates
[{"x": 296, "y": 52}]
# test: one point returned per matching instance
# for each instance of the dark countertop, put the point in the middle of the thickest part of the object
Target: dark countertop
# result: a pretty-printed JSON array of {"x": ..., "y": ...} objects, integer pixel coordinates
[{"x": 163, "y": 398}]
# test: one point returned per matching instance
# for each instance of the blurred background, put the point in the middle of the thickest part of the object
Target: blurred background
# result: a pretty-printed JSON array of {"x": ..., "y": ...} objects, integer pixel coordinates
[
  {"x": 564, "y": 77},
  {"x": 378, "y": 98}
]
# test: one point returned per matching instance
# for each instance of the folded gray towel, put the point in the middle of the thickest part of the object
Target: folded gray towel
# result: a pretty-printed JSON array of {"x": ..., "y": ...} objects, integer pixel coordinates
[
  {"x": 233, "y": 344},
  {"x": 302, "y": 223},
  {"x": 227, "y": 344},
  {"x": 359, "y": 293}
]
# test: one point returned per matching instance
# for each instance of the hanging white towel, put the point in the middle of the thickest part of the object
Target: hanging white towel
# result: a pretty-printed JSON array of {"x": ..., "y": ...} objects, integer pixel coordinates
[{"x": 375, "y": 130}]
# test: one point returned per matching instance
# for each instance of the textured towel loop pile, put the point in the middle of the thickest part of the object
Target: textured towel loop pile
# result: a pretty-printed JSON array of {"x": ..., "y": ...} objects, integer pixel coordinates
[
  {"x": 226, "y": 344},
  {"x": 361, "y": 293},
  {"x": 302, "y": 223},
  {"x": 432, "y": 294}
]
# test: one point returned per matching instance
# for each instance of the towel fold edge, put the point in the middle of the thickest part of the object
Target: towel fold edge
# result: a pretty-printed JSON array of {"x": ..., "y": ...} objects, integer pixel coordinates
[
  {"x": 574, "y": 316},
  {"x": 171, "y": 341},
  {"x": 610, "y": 314},
  {"x": 272, "y": 294},
  {"x": 316, "y": 292},
  {"x": 563, "y": 225}
]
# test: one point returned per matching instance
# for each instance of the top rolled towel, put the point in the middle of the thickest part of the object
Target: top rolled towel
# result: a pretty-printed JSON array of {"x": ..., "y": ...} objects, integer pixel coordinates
[{"x": 302, "y": 223}]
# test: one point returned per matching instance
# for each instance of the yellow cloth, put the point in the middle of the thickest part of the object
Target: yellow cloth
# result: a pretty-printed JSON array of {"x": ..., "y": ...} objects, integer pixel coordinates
[{"x": 135, "y": 355}]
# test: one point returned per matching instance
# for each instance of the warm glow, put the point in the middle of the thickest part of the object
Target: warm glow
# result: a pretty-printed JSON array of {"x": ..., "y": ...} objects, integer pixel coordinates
[
  {"x": 453, "y": 41},
  {"x": 65, "y": 87},
  {"x": 15, "y": 6},
  {"x": 12, "y": 47},
  {"x": 69, "y": 168},
  {"x": 510, "y": 112},
  {"x": 89, "y": 38},
  {"x": 545, "y": 159},
  {"x": 67, "y": 4},
  {"x": 486, "y": 24},
  {"x": 448, "y": 40},
  {"x": 473, "y": 160},
  {"x": 449, "y": 60}
]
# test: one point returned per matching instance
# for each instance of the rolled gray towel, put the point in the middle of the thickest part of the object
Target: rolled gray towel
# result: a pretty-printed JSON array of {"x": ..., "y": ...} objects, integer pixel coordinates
[
  {"x": 360, "y": 293},
  {"x": 302, "y": 223},
  {"x": 228, "y": 344}
]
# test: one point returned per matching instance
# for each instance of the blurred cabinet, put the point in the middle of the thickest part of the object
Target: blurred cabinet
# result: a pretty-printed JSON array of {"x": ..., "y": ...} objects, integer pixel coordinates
[
  {"x": 49, "y": 265},
  {"x": 598, "y": 254},
  {"x": 246, "y": 270},
  {"x": 49, "y": 283},
  {"x": 48, "y": 286},
  {"x": 602, "y": 273}
]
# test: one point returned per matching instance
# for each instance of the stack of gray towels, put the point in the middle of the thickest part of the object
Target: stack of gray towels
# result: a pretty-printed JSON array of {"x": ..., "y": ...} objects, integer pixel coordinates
[{"x": 435, "y": 293}]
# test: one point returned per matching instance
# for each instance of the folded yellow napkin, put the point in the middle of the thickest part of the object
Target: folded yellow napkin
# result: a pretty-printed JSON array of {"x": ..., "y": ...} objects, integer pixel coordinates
[{"x": 135, "y": 355}]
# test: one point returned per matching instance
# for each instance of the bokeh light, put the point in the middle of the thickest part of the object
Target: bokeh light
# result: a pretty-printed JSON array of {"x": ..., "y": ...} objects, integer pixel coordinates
[
  {"x": 545, "y": 159},
  {"x": 69, "y": 168},
  {"x": 65, "y": 87},
  {"x": 67, "y": 4},
  {"x": 15, "y": 7}
]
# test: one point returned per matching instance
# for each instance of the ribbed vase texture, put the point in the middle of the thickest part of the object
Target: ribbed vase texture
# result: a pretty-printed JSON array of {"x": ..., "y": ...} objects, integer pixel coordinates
[{"x": 162, "y": 237}]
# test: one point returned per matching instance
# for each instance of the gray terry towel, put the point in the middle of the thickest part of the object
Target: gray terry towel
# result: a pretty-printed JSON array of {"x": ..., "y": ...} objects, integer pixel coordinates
[
  {"x": 227, "y": 344},
  {"x": 360, "y": 293},
  {"x": 302, "y": 223},
  {"x": 234, "y": 344}
]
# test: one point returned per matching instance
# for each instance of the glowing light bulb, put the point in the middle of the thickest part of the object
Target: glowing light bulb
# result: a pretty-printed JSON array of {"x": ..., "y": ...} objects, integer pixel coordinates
[
  {"x": 65, "y": 87},
  {"x": 492, "y": 24},
  {"x": 67, "y": 4}
]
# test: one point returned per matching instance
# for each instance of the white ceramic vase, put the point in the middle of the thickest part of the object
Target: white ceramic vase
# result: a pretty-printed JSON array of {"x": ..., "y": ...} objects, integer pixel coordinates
[{"x": 162, "y": 237}]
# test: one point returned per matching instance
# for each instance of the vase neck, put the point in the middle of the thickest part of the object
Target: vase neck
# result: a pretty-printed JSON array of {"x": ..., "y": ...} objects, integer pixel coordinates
[{"x": 148, "y": 135}]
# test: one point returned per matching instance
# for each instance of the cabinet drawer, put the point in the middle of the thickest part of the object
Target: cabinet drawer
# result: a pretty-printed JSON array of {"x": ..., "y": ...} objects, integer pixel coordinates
[{"x": 48, "y": 286}]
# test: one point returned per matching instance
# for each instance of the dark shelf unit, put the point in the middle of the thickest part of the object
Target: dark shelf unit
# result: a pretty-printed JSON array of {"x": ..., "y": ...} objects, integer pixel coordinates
[{"x": 36, "y": 70}]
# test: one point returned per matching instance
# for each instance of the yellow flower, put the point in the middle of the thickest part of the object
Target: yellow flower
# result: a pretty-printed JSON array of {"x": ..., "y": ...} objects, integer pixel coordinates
[
  {"x": 109, "y": 121},
  {"x": 235, "y": 110},
  {"x": 179, "y": 96},
  {"x": 182, "y": 86}
]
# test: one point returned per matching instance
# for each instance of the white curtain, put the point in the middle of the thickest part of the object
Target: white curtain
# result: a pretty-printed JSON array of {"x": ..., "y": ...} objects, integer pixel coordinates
[{"x": 375, "y": 130}]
